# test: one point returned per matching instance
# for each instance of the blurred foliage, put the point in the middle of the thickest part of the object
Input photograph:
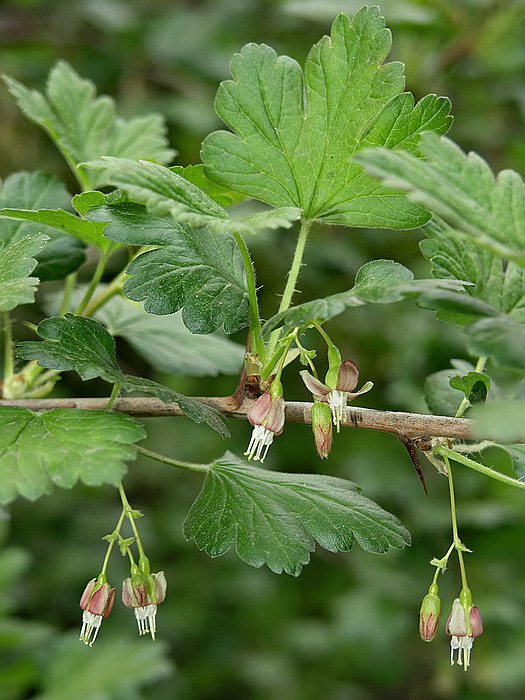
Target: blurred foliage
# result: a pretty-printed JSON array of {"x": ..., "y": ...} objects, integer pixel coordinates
[{"x": 346, "y": 629}]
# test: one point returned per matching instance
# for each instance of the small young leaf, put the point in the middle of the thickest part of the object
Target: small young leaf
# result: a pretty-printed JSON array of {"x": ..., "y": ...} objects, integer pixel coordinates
[
  {"x": 274, "y": 518},
  {"x": 461, "y": 189},
  {"x": 475, "y": 386},
  {"x": 18, "y": 261},
  {"x": 84, "y": 345},
  {"x": 175, "y": 350},
  {"x": 295, "y": 135},
  {"x": 31, "y": 191},
  {"x": 61, "y": 446},
  {"x": 84, "y": 126}
]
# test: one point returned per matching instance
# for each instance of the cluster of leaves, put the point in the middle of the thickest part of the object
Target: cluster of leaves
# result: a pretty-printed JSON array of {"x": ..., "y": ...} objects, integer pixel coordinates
[{"x": 298, "y": 142}]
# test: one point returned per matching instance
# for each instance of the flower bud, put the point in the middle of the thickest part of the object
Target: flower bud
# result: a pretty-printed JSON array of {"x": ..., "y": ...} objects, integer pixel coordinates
[
  {"x": 429, "y": 614},
  {"x": 322, "y": 428}
]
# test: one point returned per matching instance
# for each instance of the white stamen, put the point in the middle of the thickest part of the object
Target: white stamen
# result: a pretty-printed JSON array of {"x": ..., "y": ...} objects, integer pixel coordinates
[
  {"x": 146, "y": 619},
  {"x": 259, "y": 444},
  {"x": 337, "y": 402},
  {"x": 90, "y": 627}
]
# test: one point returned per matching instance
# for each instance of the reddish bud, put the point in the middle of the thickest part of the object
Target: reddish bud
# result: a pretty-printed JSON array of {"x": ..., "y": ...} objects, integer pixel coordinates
[
  {"x": 429, "y": 614},
  {"x": 322, "y": 428}
]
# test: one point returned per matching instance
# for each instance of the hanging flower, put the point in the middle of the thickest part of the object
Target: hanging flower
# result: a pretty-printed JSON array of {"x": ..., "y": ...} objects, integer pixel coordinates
[
  {"x": 267, "y": 417},
  {"x": 144, "y": 597},
  {"x": 344, "y": 382},
  {"x": 96, "y": 602},
  {"x": 464, "y": 624},
  {"x": 429, "y": 614}
]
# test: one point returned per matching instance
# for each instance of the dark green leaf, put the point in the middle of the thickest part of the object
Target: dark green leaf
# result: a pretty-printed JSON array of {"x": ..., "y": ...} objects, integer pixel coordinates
[
  {"x": 274, "y": 518},
  {"x": 440, "y": 397},
  {"x": 59, "y": 447},
  {"x": 295, "y": 135},
  {"x": 502, "y": 339},
  {"x": 84, "y": 345},
  {"x": 475, "y": 386},
  {"x": 32, "y": 191},
  {"x": 18, "y": 261},
  {"x": 200, "y": 272}
]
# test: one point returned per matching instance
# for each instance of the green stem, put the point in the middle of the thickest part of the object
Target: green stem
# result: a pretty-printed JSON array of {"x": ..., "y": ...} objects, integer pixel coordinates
[
  {"x": 257, "y": 344},
  {"x": 465, "y": 403},
  {"x": 481, "y": 468},
  {"x": 173, "y": 462},
  {"x": 129, "y": 512},
  {"x": 113, "y": 396},
  {"x": 293, "y": 275},
  {"x": 114, "y": 287},
  {"x": 68, "y": 289},
  {"x": 444, "y": 559},
  {"x": 97, "y": 276},
  {"x": 455, "y": 533},
  {"x": 8, "y": 347},
  {"x": 114, "y": 535}
]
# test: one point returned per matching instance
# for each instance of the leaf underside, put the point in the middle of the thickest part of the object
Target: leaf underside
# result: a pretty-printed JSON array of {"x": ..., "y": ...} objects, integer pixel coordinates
[{"x": 18, "y": 261}]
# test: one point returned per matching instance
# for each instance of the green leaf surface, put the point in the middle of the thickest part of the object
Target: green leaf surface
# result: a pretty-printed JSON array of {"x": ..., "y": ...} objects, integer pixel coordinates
[
  {"x": 196, "y": 175},
  {"x": 500, "y": 420},
  {"x": 275, "y": 518},
  {"x": 502, "y": 339},
  {"x": 165, "y": 192},
  {"x": 62, "y": 446},
  {"x": 493, "y": 279},
  {"x": 18, "y": 261},
  {"x": 376, "y": 282},
  {"x": 198, "y": 271},
  {"x": 475, "y": 386},
  {"x": 295, "y": 134},
  {"x": 84, "y": 126},
  {"x": 32, "y": 191},
  {"x": 84, "y": 345},
  {"x": 175, "y": 350},
  {"x": 461, "y": 189},
  {"x": 517, "y": 455}
]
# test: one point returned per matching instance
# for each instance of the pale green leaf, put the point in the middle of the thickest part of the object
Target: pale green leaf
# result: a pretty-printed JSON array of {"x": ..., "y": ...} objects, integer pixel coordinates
[
  {"x": 295, "y": 135},
  {"x": 175, "y": 350},
  {"x": 18, "y": 261},
  {"x": 84, "y": 345},
  {"x": 275, "y": 518},
  {"x": 377, "y": 282},
  {"x": 500, "y": 420},
  {"x": 502, "y": 339},
  {"x": 461, "y": 189},
  {"x": 31, "y": 191},
  {"x": 196, "y": 175},
  {"x": 84, "y": 126},
  {"x": 60, "y": 447}
]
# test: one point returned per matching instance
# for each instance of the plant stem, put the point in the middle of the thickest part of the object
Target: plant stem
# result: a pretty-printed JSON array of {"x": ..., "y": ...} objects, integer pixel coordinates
[
  {"x": 97, "y": 276},
  {"x": 465, "y": 403},
  {"x": 455, "y": 533},
  {"x": 68, "y": 289},
  {"x": 257, "y": 344},
  {"x": 481, "y": 468},
  {"x": 113, "y": 396},
  {"x": 114, "y": 535},
  {"x": 129, "y": 512},
  {"x": 8, "y": 347},
  {"x": 114, "y": 287},
  {"x": 293, "y": 275},
  {"x": 173, "y": 462}
]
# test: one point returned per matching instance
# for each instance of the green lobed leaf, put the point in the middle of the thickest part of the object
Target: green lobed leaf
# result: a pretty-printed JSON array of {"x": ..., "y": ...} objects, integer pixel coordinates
[
  {"x": 60, "y": 447},
  {"x": 376, "y": 282},
  {"x": 275, "y": 518},
  {"x": 84, "y": 345},
  {"x": 461, "y": 189},
  {"x": 165, "y": 192},
  {"x": 196, "y": 175},
  {"x": 493, "y": 280},
  {"x": 175, "y": 350},
  {"x": 18, "y": 261},
  {"x": 475, "y": 386},
  {"x": 31, "y": 191},
  {"x": 502, "y": 339},
  {"x": 295, "y": 134},
  {"x": 84, "y": 126}
]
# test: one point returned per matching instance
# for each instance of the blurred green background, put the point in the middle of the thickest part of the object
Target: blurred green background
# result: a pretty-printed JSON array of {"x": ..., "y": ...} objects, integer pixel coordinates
[{"x": 346, "y": 629}]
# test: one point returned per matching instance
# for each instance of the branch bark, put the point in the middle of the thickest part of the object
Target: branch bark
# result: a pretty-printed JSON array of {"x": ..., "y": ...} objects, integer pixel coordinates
[{"x": 410, "y": 425}]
